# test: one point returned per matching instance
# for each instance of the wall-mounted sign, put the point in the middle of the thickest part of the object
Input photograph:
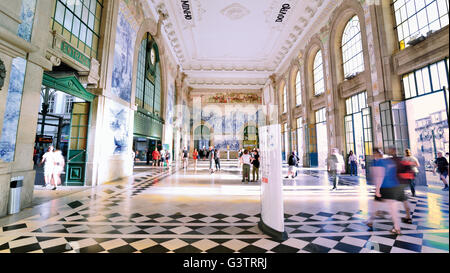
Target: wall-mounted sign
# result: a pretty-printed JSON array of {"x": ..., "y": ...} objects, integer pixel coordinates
[
  {"x": 44, "y": 139},
  {"x": 186, "y": 9},
  {"x": 65, "y": 138},
  {"x": 75, "y": 54},
  {"x": 282, "y": 12}
]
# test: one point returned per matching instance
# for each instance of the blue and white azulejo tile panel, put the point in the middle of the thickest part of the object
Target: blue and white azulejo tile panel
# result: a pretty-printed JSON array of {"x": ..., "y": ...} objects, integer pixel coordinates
[
  {"x": 27, "y": 18},
  {"x": 118, "y": 127},
  {"x": 12, "y": 110},
  {"x": 123, "y": 58}
]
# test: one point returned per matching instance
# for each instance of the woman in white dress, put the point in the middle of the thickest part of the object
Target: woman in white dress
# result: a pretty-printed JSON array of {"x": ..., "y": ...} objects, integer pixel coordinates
[
  {"x": 58, "y": 169},
  {"x": 49, "y": 160}
]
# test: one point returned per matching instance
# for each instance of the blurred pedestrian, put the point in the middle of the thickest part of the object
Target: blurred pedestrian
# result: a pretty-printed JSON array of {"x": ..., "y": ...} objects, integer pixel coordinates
[
  {"x": 255, "y": 163},
  {"x": 383, "y": 173},
  {"x": 245, "y": 160},
  {"x": 415, "y": 169},
  {"x": 292, "y": 163},
  {"x": 195, "y": 158},
  {"x": 58, "y": 169},
  {"x": 48, "y": 159},
  {"x": 185, "y": 158},
  {"x": 211, "y": 159},
  {"x": 441, "y": 165},
  {"x": 217, "y": 158},
  {"x": 155, "y": 156},
  {"x": 353, "y": 162},
  {"x": 336, "y": 166}
]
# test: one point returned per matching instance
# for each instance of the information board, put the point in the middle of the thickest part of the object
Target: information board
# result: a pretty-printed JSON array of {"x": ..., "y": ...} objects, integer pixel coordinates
[{"x": 272, "y": 207}]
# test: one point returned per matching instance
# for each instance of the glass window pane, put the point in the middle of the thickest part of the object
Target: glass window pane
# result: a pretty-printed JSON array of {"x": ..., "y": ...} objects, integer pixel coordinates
[
  {"x": 68, "y": 20},
  {"x": 418, "y": 17},
  {"x": 83, "y": 33},
  {"x": 59, "y": 13},
  {"x": 91, "y": 21}
]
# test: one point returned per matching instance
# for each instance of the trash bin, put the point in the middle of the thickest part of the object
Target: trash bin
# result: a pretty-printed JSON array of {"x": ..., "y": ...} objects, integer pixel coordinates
[{"x": 14, "y": 196}]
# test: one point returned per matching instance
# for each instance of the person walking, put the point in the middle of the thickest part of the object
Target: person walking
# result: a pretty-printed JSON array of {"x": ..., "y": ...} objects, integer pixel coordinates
[
  {"x": 147, "y": 156},
  {"x": 203, "y": 153},
  {"x": 168, "y": 158},
  {"x": 336, "y": 166},
  {"x": 353, "y": 162},
  {"x": 217, "y": 158},
  {"x": 195, "y": 157},
  {"x": 155, "y": 156},
  {"x": 292, "y": 163},
  {"x": 185, "y": 158},
  {"x": 240, "y": 154},
  {"x": 48, "y": 159},
  {"x": 58, "y": 169},
  {"x": 245, "y": 161},
  {"x": 211, "y": 158},
  {"x": 415, "y": 169},
  {"x": 441, "y": 165},
  {"x": 383, "y": 173},
  {"x": 255, "y": 163}
]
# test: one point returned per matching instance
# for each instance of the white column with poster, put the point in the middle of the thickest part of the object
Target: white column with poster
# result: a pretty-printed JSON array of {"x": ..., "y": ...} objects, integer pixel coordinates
[{"x": 272, "y": 206}]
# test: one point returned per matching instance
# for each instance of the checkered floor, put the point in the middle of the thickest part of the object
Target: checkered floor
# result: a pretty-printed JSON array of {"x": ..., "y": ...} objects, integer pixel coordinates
[{"x": 102, "y": 222}]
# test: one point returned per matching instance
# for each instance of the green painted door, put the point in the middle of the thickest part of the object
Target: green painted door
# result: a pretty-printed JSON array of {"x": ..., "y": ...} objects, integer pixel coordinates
[{"x": 76, "y": 156}]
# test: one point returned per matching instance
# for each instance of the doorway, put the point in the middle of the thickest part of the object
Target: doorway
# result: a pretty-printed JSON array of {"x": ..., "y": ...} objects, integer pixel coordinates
[
  {"x": 63, "y": 122},
  {"x": 358, "y": 130},
  {"x": 428, "y": 130},
  {"x": 322, "y": 138},
  {"x": 202, "y": 136}
]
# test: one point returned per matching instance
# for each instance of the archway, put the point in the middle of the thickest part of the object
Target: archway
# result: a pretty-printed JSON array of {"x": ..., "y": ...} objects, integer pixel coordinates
[
  {"x": 202, "y": 136},
  {"x": 251, "y": 137}
]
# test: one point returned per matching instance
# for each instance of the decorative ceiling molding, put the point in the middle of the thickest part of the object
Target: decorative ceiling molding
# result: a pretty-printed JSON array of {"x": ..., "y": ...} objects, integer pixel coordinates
[
  {"x": 235, "y": 11},
  {"x": 282, "y": 37}
]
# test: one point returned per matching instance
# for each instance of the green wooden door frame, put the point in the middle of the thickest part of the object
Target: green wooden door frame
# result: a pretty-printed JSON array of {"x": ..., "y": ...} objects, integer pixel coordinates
[{"x": 68, "y": 84}]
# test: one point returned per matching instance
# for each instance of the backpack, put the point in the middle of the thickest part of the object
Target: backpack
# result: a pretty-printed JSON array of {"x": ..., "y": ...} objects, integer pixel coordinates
[
  {"x": 405, "y": 170},
  {"x": 292, "y": 161}
]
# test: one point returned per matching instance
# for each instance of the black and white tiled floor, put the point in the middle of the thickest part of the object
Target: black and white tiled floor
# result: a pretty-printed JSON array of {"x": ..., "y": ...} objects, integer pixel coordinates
[{"x": 149, "y": 214}]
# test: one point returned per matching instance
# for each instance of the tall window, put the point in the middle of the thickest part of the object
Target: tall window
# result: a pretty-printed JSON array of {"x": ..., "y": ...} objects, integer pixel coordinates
[
  {"x": 321, "y": 115},
  {"x": 319, "y": 85},
  {"x": 428, "y": 79},
  {"x": 51, "y": 104},
  {"x": 299, "y": 137},
  {"x": 140, "y": 76},
  {"x": 298, "y": 89},
  {"x": 356, "y": 103},
  {"x": 148, "y": 79},
  {"x": 79, "y": 23},
  {"x": 417, "y": 17},
  {"x": 68, "y": 104},
  {"x": 352, "y": 51},
  {"x": 284, "y": 99}
]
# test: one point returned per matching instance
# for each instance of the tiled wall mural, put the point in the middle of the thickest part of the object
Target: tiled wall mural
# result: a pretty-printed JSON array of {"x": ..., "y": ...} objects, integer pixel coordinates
[
  {"x": 170, "y": 103},
  {"x": 118, "y": 128},
  {"x": 123, "y": 56},
  {"x": 12, "y": 111},
  {"x": 27, "y": 17},
  {"x": 228, "y": 127}
]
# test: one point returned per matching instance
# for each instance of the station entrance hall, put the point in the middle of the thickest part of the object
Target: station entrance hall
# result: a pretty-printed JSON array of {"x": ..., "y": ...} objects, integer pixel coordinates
[{"x": 206, "y": 126}]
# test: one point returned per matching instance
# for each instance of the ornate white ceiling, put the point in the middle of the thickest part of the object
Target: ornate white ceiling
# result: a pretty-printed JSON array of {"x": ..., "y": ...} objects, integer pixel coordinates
[{"x": 237, "y": 43}]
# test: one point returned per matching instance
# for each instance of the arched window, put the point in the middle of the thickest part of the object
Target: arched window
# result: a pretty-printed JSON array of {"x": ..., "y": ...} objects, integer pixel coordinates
[
  {"x": 352, "y": 51},
  {"x": 148, "y": 79},
  {"x": 319, "y": 86},
  {"x": 298, "y": 89},
  {"x": 417, "y": 17},
  {"x": 284, "y": 99}
]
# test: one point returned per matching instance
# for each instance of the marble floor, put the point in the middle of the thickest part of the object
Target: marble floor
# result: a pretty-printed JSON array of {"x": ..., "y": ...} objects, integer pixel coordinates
[{"x": 191, "y": 211}]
